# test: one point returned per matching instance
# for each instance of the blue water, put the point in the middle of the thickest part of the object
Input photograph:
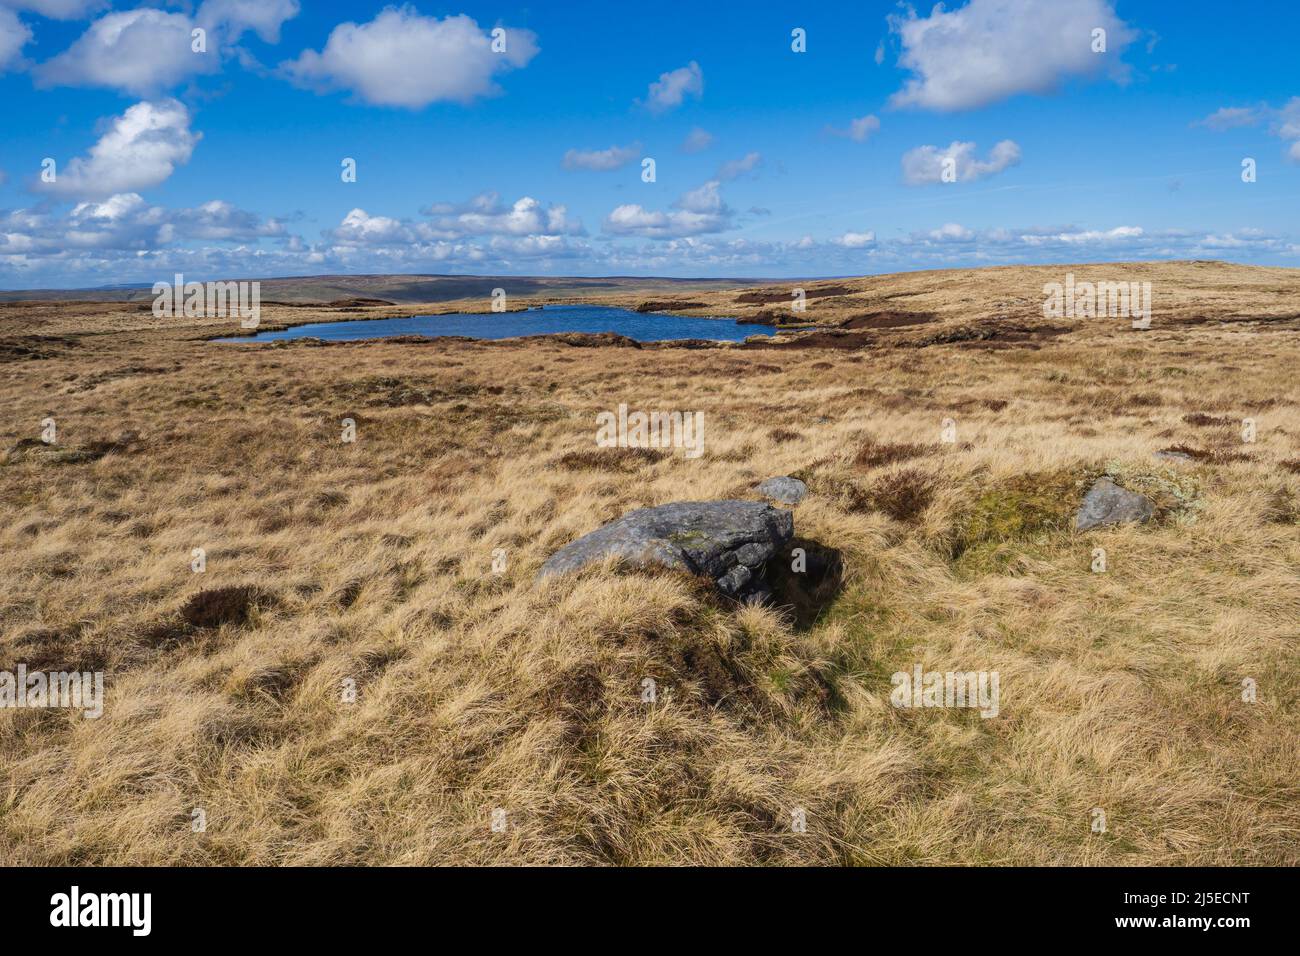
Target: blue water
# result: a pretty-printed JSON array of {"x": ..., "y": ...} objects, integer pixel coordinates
[{"x": 644, "y": 327}]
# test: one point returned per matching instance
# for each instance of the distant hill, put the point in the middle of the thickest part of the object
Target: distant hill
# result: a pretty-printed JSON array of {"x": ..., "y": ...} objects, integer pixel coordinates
[{"x": 401, "y": 288}]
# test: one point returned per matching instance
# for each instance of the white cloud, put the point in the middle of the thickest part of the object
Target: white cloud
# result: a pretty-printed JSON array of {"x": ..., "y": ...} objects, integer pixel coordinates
[
  {"x": 140, "y": 148},
  {"x": 145, "y": 51},
  {"x": 14, "y": 35},
  {"x": 480, "y": 234},
  {"x": 703, "y": 199},
  {"x": 221, "y": 221},
  {"x": 124, "y": 225},
  {"x": 738, "y": 167},
  {"x": 137, "y": 51},
  {"x": 697, "y": 140},
  {"x": 1289, "y": 119},
  {"x": 123, "y": 239},
  {"x": 484, "y": 215},
  {"x": 527, "y": 224},
  {"x": 601, "y": 160},
  {"x": 1083, "y": 236},
  {"x": 860, "y": 129},
  {"x": 360, "y": 228},
  {"x": 1284, "y": 122},
  {"x": 925, "y": 164},
  {"x": 856, "y": 240},
  {"x": 673, "y": 87},
  {"x": 113, "y": 209},
  {"x": 951, "y": 232},
  {"x": 1287, "y": 126},
  {"x": 989, "y": 50},
  {"x": 232, "y": 18},
  {"x": 633, "y": 219},
  {"x": 484, "y": 202},
  {"x": 695, "y": 213},
  {"x": 403, "y": 59},
  {"x": 1230, "y": 117},
  {"x": 530, "y": 247}
]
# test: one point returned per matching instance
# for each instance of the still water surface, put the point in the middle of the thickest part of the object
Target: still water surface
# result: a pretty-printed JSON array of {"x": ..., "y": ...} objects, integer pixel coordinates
[{"x": 644, "y": 327}]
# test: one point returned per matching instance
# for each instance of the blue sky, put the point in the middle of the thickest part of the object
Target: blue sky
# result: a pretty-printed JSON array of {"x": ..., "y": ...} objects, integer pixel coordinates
[{"x": 528, "y": 160}]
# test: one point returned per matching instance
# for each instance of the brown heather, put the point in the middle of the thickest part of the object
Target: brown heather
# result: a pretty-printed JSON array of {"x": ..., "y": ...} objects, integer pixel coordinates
[{"x": 372, "y": 562}]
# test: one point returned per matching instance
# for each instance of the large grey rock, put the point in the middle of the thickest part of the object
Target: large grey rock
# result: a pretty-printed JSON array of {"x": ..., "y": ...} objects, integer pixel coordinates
[
  {"x": 726, "y": 541},
  {"x": 787, "y": 490},
  {"x": 1107, "y": 503}
]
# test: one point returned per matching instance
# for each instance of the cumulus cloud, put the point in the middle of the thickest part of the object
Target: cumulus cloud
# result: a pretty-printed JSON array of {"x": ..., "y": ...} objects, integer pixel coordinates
[
  {"x": 695, "y": 213},
  {"x": 485, "y": 215},
  {"x": 403, "y": 59},
  {"x": 136, "y": 51},
  {"x": 952, "y": 244},
  {"x": 146, "y": 50},
  {"x": 856, "y": 240},
  {"x": 537, "y": 225},
  {"x": 859, "y": 130},
  {"x": 672, "y": 88},
  {"x": 218, "y": 220},
  {"x": 989, "y": 50},
  {"x": 125, "y": 224},
  {"x": 360, "y": 228},
  {"x": 738, "y": 167},
  {"x": 601, "y": 160},
  {"x": 1230, "y": 117},
  {"x": 632, "y": 219},
  {"x": 1283, "y": 122},
  {"x": 697, "y": 140},
  {"x": 705, "y": 199},
  {"x": 233, "y": 18},
  {"x": 951, "y": 232},
  {"x": 14, "y": 35},
  {"x": 1289, "y": 119},
  {"x": 1287, "y": 126},
  {"x": 925, "y": 164},
  {"x": 476, "y": 234},
  {"x": 1085, "y": 236},
  {"x": 140, "y": 148},
  {"x": 123, "y": 238}
]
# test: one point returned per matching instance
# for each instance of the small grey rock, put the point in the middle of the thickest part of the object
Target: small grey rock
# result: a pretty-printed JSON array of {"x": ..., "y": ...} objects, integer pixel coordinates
[
  {"x": 1107, "y": 503},
  {"x": 726, "y": 541},
  {"x": 787, "y": 490},
  {"x": 1173, "y": 456},
  {"x": 734, "y": 581}
]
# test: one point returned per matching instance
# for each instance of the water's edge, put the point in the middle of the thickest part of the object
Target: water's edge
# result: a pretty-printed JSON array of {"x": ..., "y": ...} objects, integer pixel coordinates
[{"x": 541, "y": 320}]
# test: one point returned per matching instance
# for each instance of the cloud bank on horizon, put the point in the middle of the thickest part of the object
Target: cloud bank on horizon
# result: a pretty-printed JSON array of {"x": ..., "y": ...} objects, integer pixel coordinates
[{"x": 272, "y": 137}]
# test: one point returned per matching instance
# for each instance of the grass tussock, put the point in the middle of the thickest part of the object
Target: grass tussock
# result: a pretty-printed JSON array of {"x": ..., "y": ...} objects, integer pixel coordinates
[
  {"x": 214, "y": 607},
  {"x": 624, "y": 460},
  {"x": 875, "y": 454}
]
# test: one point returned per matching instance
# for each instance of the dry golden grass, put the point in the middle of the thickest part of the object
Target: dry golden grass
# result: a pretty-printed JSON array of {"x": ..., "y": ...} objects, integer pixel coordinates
[{"x": 372, "y": 562}]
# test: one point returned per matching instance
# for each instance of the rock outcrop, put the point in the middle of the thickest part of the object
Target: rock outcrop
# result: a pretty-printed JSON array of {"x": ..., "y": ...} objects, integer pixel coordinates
[
  {"x": 727, "y": 541},
  {"x": 784, "y": 489},
  {"x": 1108, "y": 504}
]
